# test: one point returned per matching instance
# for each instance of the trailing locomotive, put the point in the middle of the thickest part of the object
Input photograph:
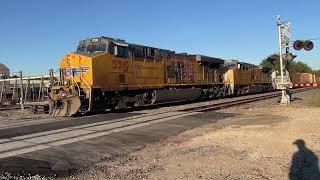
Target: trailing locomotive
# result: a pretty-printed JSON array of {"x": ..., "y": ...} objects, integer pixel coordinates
[{"x": 107, "y": 73}]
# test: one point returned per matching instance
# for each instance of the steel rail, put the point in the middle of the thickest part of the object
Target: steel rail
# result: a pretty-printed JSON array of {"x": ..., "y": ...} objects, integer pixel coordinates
[{"x": 242, "y": 101}]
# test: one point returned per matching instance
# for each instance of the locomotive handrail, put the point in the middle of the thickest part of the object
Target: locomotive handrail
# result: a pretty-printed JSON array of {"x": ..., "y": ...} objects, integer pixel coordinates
[{"x": 87, "y": 84}]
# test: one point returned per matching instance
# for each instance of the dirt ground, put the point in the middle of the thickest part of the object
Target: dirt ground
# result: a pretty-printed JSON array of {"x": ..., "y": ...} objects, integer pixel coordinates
[
  {"x": 18, "y": 114},
  {"x": 258, "y": 143}
]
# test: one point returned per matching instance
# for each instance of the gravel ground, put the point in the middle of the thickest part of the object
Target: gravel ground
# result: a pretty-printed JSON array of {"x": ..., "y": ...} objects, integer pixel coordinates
[
  {"x": 167, "y": 108},
  {"x": 18, "y": 114},
  {"x": 255, "y": 144}
]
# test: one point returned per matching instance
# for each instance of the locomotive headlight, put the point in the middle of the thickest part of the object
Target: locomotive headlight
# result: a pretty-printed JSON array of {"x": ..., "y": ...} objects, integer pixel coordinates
[
  {"x": 65, "y": 82},
  {"x": 95, "y": 40}
]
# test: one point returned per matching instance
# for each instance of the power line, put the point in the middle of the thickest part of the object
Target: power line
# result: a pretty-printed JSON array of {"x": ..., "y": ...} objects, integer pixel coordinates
[{"x": 313, "y": 39}]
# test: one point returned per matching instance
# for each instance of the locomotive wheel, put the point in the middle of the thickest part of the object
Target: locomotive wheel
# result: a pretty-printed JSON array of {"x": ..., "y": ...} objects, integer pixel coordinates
[
  {"x": 140, "y": 102},
  {"x": 66, "y": 107}
]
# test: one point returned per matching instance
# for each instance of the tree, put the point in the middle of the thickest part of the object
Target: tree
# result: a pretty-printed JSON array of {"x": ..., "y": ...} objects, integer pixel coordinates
[
  {"x": 267, "y": 63},
  {"x": 292, "y": 67},
  {"x": 299, "y": 67}
]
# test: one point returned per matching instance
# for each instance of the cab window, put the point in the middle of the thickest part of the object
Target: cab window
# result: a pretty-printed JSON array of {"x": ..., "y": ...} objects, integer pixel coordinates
[
  {"x": 81, "y": 49},
  {"x": 121, "y": 51},
  {"x": 111, "y": 48},
  {"x": 96, "y": 48}
]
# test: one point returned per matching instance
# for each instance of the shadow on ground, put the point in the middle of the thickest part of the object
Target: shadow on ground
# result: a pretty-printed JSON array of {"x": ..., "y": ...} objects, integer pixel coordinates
[{"x": 304, "y": 164}]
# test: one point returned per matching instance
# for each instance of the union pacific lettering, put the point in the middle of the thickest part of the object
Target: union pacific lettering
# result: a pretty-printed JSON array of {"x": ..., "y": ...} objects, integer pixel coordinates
[{"x": 75, "y": 71}]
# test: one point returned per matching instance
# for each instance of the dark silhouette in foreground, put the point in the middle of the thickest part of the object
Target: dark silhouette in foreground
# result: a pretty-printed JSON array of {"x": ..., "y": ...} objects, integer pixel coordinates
[{"x": 304, "y": 163}]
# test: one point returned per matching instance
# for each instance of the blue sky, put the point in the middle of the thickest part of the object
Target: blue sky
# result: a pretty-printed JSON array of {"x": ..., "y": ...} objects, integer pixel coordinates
[{"x": 35, "y": 34}]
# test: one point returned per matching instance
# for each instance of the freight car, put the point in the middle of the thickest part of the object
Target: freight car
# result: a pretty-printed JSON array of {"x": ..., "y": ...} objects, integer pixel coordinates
[
  {"x": 298, "y": 78},
  {"x": 107, "y": 73}
]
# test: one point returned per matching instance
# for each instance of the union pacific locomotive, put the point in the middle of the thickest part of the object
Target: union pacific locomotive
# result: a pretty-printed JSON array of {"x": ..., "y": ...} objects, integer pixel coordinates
[{"x": 107, "y": 73}]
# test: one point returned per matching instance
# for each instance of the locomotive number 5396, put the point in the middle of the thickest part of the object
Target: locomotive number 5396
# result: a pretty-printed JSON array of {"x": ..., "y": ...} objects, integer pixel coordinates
[{"x": 120, "y": 64}]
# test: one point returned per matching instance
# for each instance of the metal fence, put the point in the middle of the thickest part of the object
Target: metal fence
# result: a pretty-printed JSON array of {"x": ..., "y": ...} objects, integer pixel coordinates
[{"x": 24, "y": 89}]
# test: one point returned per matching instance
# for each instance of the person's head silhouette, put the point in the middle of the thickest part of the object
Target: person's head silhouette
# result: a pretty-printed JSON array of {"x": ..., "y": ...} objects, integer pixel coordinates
[{"x": 300, "y": 143}]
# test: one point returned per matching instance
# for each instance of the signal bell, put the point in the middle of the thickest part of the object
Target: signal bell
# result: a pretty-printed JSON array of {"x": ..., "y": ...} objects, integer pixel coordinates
[{"x": 306, "y": 45}]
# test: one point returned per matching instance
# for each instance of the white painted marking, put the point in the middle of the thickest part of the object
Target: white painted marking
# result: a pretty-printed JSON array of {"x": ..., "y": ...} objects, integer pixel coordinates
[{"x": 38, "y": 141}]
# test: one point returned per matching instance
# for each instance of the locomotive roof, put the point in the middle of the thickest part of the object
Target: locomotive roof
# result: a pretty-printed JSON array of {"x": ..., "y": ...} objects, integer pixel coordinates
[
  {"x": 119, "y": 42},
  {"x": 202, "y": 58},
  {"x": 233, "y": 61},
  {"x": 98, "y": 40}
]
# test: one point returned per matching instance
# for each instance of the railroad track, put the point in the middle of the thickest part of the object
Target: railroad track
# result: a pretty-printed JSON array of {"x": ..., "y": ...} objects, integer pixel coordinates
[
  {"x": 34, "y": 141},
  {"x": 242, "y": 101},
  {"x": 150, "y": 115},
  {"x": 202, "y": 108}
]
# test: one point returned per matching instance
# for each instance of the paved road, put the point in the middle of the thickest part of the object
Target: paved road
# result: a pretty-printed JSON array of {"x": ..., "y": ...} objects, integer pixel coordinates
[{"x": 64, "y": 146}]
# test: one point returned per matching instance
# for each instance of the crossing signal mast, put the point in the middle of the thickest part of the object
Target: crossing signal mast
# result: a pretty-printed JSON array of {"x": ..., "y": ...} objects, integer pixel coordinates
[{"x": 284, "y": 43}]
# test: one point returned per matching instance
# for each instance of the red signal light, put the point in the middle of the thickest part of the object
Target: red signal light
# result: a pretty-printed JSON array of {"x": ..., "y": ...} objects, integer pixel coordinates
[
  {"x": 298, "y": 45},
  {"x": 308, "y": 45}
]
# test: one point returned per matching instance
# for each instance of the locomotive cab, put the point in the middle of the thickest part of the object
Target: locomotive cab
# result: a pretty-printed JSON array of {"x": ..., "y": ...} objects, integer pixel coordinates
[{"x": 99, "y": 64}]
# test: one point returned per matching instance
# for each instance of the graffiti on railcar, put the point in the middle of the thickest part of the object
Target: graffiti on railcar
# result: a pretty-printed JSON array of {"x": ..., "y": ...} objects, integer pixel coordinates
[
  {"x": 184, "y": 72},
  {"x": 137, "y": 70}
]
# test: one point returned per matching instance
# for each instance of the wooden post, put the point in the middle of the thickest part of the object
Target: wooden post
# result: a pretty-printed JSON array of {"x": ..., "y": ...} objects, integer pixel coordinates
[
  {"x": 21, "y": 91},
  {"x": 2, "y": 89},
  {"x": 27, "y": 89},
  {"x": 32, "y": 88},
  {"x": 51, "y": 76},
  {"x": 14, "y": 89},
  {"x": 40, "y": 89}
]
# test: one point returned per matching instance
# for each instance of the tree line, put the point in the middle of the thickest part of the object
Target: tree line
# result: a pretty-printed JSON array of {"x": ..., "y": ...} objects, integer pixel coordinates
[{"x": 292, "y": 67}]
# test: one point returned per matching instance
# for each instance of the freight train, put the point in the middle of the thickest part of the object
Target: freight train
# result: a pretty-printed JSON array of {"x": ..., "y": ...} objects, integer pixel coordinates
[
  {"x": 298, "y": 78},
  {"x": 108, "y": 73}
]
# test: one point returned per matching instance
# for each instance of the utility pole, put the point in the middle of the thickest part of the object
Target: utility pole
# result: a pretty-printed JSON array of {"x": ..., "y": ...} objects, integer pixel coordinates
[
  {"x": 21, "y": 91},
  {"x": 283, "y": 34}
]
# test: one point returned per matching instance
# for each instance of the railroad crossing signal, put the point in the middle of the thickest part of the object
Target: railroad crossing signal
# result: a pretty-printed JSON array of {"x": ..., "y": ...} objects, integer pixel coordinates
[
  {"x": 306, "y": 45},
  {"x": 287, "y": 58},
  {"x": 274, "y": 59}
]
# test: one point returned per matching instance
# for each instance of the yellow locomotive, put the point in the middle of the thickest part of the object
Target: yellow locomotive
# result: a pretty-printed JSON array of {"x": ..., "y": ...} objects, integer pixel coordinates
[
  {"x": 107, "y": 73},
  {"x": 244, "y": 78}
]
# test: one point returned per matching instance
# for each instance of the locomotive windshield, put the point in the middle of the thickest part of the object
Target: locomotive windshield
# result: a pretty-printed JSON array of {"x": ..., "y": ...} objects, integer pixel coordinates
[
  {"x": 96, "y": 48},
  {"x": 116, "y": 47}
]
